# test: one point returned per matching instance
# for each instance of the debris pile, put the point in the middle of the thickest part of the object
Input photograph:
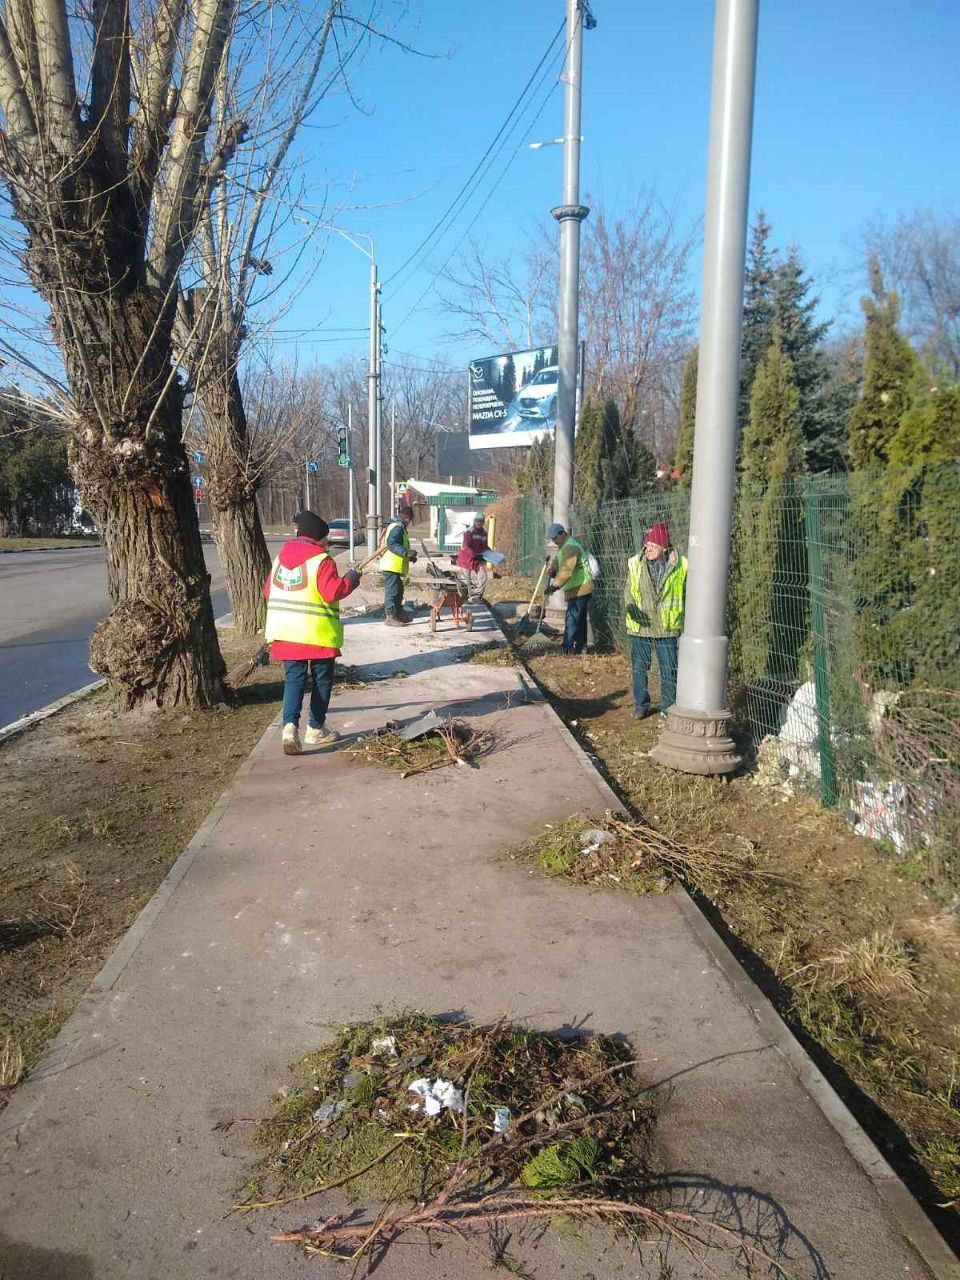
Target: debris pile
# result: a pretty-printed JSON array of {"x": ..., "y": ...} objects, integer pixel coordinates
[
  {"x": 444, "y": 1121},
  {"x": 640, "y": 858},
  {"x": 427, "y": 743}
]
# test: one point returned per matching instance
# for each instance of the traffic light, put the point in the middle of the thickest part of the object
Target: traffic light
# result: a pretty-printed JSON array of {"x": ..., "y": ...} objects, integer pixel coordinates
[{"x": 343, "y": 448}]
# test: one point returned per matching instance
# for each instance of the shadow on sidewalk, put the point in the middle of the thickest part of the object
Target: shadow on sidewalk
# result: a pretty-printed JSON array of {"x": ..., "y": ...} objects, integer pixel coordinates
[
  {"x": 26, "y": 1262},
  {"x": 748, "y": 1215}
]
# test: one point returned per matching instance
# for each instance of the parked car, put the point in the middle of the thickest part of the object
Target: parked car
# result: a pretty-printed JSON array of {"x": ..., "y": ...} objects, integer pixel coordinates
[{"x": 339, "y": 535}]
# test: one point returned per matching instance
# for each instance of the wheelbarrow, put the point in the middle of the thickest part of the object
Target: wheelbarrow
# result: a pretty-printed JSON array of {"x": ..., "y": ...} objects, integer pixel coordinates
[{"x": 448, "y": 590}]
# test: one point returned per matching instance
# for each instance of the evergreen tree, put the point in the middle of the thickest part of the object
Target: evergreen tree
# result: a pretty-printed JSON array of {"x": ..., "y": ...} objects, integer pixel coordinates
[
  {"x": 590, "y": 481},
  {"x": 610, "y": 461},
  {"x": 929, "y": 432},
  {"x": 889, "y": 373},
  {"x": 768, "y": 630},
  {"x": 758, "y": 309},
  {"x": 536, "y": 474},
  {"x": 801, "y": 337},
  {"x": 688, "y": 416},
  {"x": 772, "y": 443}
]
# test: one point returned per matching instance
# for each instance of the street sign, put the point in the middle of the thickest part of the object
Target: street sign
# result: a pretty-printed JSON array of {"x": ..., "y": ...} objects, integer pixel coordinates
[
  {"x": 313, "y": 466},
  {"x": 199, "y": 457},
  {"x": 198, "y": 482},
  {"x": 198, "y": 494}
]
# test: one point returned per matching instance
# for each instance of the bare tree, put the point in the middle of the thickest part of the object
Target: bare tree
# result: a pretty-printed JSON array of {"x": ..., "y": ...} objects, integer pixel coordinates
[
  {"x": 636, "y": 308},
  {"x": 236, "y": 252},
  {"x": 503, "y": 305},
  {"x": 109, "y": 201},
  {"x": 919, "y": 254}
]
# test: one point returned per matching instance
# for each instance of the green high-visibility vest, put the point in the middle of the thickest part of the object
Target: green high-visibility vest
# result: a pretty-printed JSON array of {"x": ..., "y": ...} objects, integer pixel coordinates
[
  {"x": 581, "y": 573},
  {"x": 669, "y": 601},
  {"x": 390, "y": 562}
]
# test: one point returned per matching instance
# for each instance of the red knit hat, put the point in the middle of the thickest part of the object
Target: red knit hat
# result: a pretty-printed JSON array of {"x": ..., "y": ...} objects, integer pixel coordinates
[{"x": 659, "y": 533}]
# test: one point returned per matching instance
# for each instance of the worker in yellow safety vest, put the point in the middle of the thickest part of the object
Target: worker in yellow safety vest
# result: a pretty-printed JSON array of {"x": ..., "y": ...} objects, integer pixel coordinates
[
  {"x": 304, "y": 627},
  {"x": 570, "y": 571},
  {"x": 654, "y": 599},
  {"x": 395, "y": 564}
]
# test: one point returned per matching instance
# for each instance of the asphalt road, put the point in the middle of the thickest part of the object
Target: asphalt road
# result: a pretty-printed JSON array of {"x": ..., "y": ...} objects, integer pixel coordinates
[{"x": 50, "y": 602}]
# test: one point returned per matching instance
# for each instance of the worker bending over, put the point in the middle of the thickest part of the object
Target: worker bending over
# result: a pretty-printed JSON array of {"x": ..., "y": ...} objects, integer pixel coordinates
[
  {"x": 394, "y": 565},
  {"x": 570, "y": 570},
  {"x": 654, "y": 599},
  {"x": 304, "y": 627}
]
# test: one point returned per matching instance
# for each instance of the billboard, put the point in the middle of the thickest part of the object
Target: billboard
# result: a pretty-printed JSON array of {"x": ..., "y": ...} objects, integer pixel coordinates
[{"x": 513, "y": 398}]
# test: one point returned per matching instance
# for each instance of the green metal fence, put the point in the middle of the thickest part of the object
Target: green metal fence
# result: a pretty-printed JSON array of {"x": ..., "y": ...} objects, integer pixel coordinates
[{"x": 844, "y": 638}]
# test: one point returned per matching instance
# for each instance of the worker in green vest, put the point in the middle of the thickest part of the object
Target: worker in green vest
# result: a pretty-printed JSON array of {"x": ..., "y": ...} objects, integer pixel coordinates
[
  {"x": 654, "y": 599},
  {"x": 570, "y": 572},
  {"x": 395, "y": 564}
]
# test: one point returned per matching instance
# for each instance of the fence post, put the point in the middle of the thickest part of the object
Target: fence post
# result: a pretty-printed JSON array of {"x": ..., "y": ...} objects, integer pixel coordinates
[{"x": 821, "y": 678}]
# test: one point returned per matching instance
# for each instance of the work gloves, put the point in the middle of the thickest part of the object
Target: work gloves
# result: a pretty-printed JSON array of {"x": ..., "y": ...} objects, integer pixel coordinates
[
  {"x": 412, "y": 557},
  {"x": 353, "y": 578}
]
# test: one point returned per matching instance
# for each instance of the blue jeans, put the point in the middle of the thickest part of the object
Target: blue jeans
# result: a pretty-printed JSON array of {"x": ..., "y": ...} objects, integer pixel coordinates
[
  {"x": 392, "y": 593},
  {"x": 575, "y": 624},
  {"x": 641, "y": 652},
  {"x": 319, "y": 672}
]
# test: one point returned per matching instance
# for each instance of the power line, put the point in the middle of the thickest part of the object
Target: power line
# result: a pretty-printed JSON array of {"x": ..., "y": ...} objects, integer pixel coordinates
[
  {"x": 480, "y": 163},
  {"x": 476, "y": 216}
]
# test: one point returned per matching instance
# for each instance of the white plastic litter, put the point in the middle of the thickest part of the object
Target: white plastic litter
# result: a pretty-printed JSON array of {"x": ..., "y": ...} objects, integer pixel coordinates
[
  {"x": 385, "y": 1044},
  {"x": 882, "y": 809},
  {"x": 593, "y": 838},
  {"x": 436, "y": 1096},
  {"x": 501, "y": 1119},
  {"x": 329, "y": 1111}
]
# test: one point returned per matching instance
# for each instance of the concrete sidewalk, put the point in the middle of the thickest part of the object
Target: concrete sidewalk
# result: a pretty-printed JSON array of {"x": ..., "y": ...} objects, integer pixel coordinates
[{"x": 322, "y": 890}]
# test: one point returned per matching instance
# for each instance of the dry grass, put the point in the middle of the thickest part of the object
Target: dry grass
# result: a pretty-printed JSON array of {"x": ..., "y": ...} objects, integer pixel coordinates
[
  {"x": 860, "y": 962},
  {"x": 94, "y": 807}
]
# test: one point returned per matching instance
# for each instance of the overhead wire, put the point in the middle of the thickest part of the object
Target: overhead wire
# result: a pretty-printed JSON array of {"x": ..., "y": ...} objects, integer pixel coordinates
[
  {"x": 450, "y": 213},
  {"x": 470, "y": 225}
]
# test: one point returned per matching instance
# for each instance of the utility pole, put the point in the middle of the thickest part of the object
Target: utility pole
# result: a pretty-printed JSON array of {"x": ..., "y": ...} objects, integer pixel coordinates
[
  {"x": 350, "y": 477},
  {"x": 306, "y": 483},
  {"x": 379, "y": 413},
  {"x": 569, "y": 214},
  {"x": 393, "y": 456},
  {"x": 373, "y": 398},
  {"x": 695, "y": 738}
]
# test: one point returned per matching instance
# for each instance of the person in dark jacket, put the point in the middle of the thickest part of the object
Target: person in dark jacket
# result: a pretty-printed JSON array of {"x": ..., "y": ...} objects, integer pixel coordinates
[
  {"x": 394, "y": 565},
  {"x": 304, "y": 628}
]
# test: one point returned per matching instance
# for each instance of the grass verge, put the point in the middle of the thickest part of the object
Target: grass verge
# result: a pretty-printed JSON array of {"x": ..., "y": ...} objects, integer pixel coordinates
[
  {"x": 94, "y": 808},
  {"x": 860, "y": 961}
]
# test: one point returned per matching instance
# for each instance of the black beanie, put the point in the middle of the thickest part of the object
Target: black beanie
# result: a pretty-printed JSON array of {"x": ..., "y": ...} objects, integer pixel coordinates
[{"x": 311, "y": 526}]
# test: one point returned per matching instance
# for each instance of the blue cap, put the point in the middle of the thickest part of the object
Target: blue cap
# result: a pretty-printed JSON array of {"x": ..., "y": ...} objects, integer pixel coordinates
[{"x": 554, "y": 532}]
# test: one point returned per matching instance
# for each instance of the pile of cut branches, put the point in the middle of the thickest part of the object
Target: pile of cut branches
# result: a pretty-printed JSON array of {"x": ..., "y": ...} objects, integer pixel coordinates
[
  {"x": 520, "y": 1118},
  {"x": 452, "y": 742},
  {"x": 640, "y": 858}
]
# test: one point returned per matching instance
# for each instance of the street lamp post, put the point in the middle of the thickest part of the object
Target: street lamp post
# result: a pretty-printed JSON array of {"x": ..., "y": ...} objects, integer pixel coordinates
[
  {"x": 569, "y": 214},
  {"x": 695, "y": 738}
]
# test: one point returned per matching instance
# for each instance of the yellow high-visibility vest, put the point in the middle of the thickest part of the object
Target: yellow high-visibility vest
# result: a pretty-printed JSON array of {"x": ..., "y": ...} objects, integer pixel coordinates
[
  {"x": 297, "y": 612},
  {"x": 668, "y": 605},
  {"x": 390, "y": 562}
]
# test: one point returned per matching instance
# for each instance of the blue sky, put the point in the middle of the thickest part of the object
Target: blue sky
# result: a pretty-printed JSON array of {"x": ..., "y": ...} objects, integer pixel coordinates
[{"x": 856, "y": 116}]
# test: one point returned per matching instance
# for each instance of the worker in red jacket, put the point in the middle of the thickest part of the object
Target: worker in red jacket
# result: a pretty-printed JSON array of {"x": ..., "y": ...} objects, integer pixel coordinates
[
  {"x": 470, "y": 556},
  {"x": 304, "y": 627}
]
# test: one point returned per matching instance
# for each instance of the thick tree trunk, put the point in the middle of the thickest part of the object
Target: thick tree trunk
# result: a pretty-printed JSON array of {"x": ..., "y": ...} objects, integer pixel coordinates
[
  {"x": 159, "y": 644},
  {"x": 231, "y": 484},
  {"x": 245, "y": 560}
]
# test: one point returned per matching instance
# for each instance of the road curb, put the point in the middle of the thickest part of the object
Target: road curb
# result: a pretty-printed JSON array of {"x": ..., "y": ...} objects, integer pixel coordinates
[
  {"x": 23, "y": 551},
  {"x": 16, "y": 727},
  {"x": 893, "y": 1192}
]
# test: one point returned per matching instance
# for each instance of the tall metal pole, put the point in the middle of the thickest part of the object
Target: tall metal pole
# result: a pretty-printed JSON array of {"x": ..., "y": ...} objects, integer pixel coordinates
[
  {"x": 569, "y": 214},
  {"x": 695, "y": 738},
  {"x": 379, "y": 413},
  {"x": 393, "y": 455},
  {"x": 372, "y": 399},
  {"x": 350, "y": 476},
  {"x": 306, "y": 483}
]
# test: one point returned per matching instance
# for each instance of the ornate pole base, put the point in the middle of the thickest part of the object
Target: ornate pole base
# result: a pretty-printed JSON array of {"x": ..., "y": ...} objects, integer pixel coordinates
[{"x": 696, "y": 742}]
